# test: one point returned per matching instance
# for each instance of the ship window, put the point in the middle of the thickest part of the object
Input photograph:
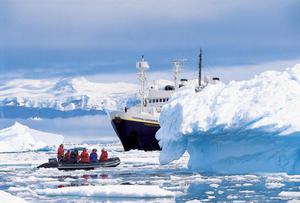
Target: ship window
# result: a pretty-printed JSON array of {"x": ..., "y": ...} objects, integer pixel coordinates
[
  {"x": 156, "y": 100},
  {"x": 150, "y": 101},
  {"x": 160, "y": 100},
  {"x": 167, "y": 99}
]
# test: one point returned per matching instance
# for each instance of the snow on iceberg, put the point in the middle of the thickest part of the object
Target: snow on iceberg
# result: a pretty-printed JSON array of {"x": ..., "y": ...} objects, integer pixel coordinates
[
  {"x": 240, "y": 127},
  {"x": 20, "y": 138},
  {"x": 6, "y": 197},
  {"x": 128, "y": 191}
]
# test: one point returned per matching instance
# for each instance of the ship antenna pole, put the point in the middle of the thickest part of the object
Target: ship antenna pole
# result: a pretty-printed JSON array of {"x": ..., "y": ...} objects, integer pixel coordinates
[
  {"x": 142, "y": 66},
  {"x": 200, "y": 68}
]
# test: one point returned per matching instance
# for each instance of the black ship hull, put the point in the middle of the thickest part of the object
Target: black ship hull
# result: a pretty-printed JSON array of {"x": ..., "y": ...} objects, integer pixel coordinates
[{"x": 136, "y": 134}]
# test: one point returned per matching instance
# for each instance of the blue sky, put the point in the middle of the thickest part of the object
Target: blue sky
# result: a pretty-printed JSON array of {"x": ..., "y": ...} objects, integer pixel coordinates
[{"x": 43, "y": 38}]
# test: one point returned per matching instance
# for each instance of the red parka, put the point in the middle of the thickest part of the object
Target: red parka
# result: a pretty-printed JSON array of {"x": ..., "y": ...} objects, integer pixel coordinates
[
  {"x": 60, "y": 151},
  {"x": 84, "y": 156},
  {"x": 104, "y": 155},
  {"x": 67, "y": 155}
]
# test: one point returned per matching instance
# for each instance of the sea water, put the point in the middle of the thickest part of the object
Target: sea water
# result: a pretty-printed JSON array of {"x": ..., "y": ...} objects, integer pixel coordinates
[
  {"x": 81, "y": 129},
  {"x": 20, "y": 177}
]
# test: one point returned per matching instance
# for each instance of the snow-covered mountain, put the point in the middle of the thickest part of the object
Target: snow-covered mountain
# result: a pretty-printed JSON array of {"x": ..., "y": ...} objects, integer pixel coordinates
[
  {"x": 20, "y": 138},
  {"x": 240, "y": 127},
  {"x": 62, "y": 97}
]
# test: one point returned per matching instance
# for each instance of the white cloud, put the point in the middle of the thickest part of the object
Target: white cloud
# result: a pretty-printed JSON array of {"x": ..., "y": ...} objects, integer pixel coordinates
[
  {"x": 226, "y": 74},
  {"x": 78, "y": 33},
  {"x": 105, "y": 22},
  {"x": 249, "y": 71}
]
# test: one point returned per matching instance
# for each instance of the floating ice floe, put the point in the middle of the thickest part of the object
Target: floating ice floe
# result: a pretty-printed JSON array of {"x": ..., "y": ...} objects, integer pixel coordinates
[
  {"x": 20, "y": 138},
  {"x": 128, "y": 191},
  {"x": 240, "y": 127},
  {"x": 6, "y": 197},
  {"x": 193, "y": 201},
  {"x": 289, "y": 194}
]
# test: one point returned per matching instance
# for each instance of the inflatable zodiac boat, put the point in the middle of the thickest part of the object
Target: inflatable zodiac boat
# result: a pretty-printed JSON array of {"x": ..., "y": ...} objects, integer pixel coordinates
[{"x": 53, "y": 163}]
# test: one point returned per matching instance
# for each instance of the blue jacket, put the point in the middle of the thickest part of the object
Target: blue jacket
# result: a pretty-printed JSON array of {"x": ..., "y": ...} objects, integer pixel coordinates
[{"x": 94, "y": 157}]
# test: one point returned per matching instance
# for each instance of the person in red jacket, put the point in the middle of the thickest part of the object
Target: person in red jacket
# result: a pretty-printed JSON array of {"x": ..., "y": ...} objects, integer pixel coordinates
[
  {"x": 104, "y": 155},
  {"x": 84, "y": 156},
  {"x": 67, "y": 157},
  {"x": 60, "y": 152},
  {"x": 77, "y": 155}
]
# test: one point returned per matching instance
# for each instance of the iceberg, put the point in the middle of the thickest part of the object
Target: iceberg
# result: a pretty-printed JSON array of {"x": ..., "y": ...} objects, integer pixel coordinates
[
  {"x": 7, "y": 197},
  {"x": 239, "y": 127},
  {"x": 20, "y": 138}
]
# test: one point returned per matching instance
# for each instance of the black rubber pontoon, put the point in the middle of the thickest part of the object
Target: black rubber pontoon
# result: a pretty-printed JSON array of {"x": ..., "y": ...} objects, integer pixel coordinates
[{"x": 52, "y": 163}]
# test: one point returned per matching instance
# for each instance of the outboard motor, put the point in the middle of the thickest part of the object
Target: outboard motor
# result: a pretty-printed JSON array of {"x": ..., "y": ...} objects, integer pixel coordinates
[{"x": 52, "y": 163}]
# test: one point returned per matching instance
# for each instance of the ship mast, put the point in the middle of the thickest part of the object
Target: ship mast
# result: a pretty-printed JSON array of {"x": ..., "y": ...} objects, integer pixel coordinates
[
  {"x": 142, "y": 66},
  {"x": 178, "y": 65},
  {"x": 200, "y": 68}
]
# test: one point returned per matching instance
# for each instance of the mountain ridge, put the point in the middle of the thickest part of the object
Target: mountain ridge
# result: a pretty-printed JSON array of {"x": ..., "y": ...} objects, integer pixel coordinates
[{"x": 64, "y": 97}]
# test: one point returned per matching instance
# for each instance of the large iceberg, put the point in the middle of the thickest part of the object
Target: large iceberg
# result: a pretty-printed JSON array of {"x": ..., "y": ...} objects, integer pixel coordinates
[
  {"x": 7, "y": 197},
  {"x": 20, "y": 138},
  {"x": 240, "y": 127}
]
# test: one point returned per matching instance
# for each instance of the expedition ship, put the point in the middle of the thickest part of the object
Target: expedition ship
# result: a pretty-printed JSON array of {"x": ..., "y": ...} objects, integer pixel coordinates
[{"x": 136, "y": 126}]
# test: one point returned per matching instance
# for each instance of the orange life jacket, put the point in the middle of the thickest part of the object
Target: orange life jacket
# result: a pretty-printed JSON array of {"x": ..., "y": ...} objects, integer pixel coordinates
[
  {"x": 84, "y": 157},
  {"x": 60, "y": 152},
  {"x": 67, "y": 155},
  {"x": 104, "y": 155}
]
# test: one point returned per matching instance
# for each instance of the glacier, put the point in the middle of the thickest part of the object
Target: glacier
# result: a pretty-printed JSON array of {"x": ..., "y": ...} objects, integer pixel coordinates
[
  {"x": 62, "y": 97},
  {"x": 241, "y": 127},
  {"x": 21, "y": 138},
  {"x": 66, "y": 97}
]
